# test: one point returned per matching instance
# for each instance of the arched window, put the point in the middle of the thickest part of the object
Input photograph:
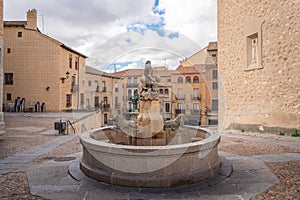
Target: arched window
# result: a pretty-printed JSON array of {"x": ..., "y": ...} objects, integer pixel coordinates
[
  {"x": 196, "y": 79},
  {"x": 188, "y": 79},
  {"x": 180, "y": 79}
]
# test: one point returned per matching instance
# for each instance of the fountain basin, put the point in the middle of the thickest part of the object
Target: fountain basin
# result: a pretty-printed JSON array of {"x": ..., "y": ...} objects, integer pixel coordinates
[{"x": 190, "y": 157}]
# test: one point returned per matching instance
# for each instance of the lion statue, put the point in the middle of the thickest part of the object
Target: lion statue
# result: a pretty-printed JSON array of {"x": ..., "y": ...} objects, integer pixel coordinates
[
  {"x": 123, "y": 124},
  {"x": 176, "y": 123}
]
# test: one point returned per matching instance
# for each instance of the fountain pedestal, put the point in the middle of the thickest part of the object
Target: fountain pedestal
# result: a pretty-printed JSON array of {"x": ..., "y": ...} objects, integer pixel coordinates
[{"x": 150, "y": 131}]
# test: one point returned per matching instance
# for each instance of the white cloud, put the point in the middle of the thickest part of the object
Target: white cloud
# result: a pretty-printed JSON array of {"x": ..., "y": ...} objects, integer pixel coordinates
[{"x": 98, "y": 29}]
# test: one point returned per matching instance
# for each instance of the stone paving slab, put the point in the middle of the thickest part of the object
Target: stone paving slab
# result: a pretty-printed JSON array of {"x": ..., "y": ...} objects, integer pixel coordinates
[
  {"x": 19, "y": 161},
  {"x": 50, "y": 179}
]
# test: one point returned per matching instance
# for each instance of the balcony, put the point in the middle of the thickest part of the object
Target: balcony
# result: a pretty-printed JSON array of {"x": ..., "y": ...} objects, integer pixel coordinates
[
  {"x": 106, "y": 107},
  {"x": 195, "y": 112},
  {"x": 179, "y": 111},
  {"x": 132, "y": 85},
  {"x": 210, "y": 112},
  {"x": 74, "y": 88},
  {"x": 180, "y": 97},
  {"x": 197, "y": 98}
]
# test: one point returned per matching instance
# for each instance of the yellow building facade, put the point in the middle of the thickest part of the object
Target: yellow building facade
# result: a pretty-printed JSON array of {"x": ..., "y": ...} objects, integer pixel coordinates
[
  {"x": 39, "y": 69},
  {"x": 102, "y": 94}
]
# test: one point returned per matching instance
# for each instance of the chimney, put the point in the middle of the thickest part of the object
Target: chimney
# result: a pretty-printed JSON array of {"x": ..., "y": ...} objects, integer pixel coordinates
[{"x": 32, "y": 19}]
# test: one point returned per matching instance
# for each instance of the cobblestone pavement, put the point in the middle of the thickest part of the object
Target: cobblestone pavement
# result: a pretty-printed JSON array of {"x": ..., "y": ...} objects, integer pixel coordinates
[{"x": 34, "y": 165}]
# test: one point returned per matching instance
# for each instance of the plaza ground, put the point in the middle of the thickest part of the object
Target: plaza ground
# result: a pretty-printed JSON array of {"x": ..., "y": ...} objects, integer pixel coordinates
[{"x": 37, "y": 163}]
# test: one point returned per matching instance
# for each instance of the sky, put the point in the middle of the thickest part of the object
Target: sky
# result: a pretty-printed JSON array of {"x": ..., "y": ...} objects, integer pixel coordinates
[{"x": 124, "y": 34}]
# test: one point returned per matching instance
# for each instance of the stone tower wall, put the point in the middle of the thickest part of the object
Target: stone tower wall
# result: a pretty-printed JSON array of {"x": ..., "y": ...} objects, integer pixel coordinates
[{"x": 266, "y": 91}]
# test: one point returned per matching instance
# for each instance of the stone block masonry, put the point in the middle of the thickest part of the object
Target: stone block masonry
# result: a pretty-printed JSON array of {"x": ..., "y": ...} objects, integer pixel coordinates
[{"x": 266, "y": 89}]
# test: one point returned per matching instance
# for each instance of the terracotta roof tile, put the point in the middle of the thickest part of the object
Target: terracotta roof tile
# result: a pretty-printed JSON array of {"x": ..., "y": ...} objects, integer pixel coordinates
[
  {"x": 212, "y": 46},
  {"x": 15, "y": 23}
]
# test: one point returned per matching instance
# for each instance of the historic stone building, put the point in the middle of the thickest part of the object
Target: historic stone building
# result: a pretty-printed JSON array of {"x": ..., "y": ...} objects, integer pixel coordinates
[
  {"x": 1, "y": 71},
  {"x": 204, "y": 63},
  {"x": 191, "y": 89},
  {"x": 39, "y": 69},
  {"x": 101, "y": 94},
  {"x": 259, "y": 65}
]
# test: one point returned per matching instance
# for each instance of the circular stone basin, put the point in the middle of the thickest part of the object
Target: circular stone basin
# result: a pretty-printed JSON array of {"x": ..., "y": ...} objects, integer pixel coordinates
[{"x": 184, "y": 161}]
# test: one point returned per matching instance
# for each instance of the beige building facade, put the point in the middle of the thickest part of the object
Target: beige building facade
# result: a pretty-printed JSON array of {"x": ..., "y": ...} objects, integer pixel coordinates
[
  {"x": 39, "y": 69},
  {"x": 102, "y": 94},
  {"x": 259, "y": 65}
]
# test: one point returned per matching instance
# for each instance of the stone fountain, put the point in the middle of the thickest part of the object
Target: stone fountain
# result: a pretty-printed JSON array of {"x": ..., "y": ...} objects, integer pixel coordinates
[{"x": 146, "y": 151}]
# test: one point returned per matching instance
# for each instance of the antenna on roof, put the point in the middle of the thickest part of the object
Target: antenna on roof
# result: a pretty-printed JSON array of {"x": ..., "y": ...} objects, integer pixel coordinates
[
  {"x": 43, "y": 23},
  {"x": 165, "y": 63}
]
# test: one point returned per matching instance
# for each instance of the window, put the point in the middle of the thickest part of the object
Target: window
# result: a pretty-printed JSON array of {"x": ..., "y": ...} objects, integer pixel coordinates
[
  {"x": 19, "y": 34},
  {"x": 9, "y": 78},
  {"x": 161, "y": 91},
  {"x": 8, "y": 50},
  {"x": 70, "y": 62},
  {"x": 166, "y": 91},
  {"x": 73, "y": 80},
  {"x": 180, "y": 93},
  {"x": 105, "y": 100},
  {"x": 135, "y": 81},
  {"x": 196, "y": 106},
  {"x": 68, "y": 100},
  {"x": 214, "y": 85},
  {"x": 215, "y": 74},
  {"x": 105, "y": 118},
  {"x": 103, "y": 86},
  {"x": 253, "y": 49},
  {"x": 81, "y": 98},
  {"x": 90, "y": 83},
  {"x": 8, "y": 96},
  {"x": 117, "y": 87},
  {"x": 117, "y": 103},
  {"x": 214, "y": 105},
  {"x": 196, "y": 79},
  {"x": 180, "y": 106},
  {"x": 188, "y": 79},
  {"x": 196, "y": 92},
  {"x": 129, "y": 82},
  {"x": 180, "y": 79},
  {"x": 167, "y": 107},
  {"x": 129, "y": 94},
  {"x": 214, "y": 55},
  {"x": 97, "y": 102},
  {"x": 96, "y": 86},
  {"x": 253, "y": 41},
  {"x": 77, "y": 63}
]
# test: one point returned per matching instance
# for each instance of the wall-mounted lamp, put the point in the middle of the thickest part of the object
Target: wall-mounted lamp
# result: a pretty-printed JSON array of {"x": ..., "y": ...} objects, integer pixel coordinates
[
  {"x": 64, "y": 78},
  {"x": 47, "y": 88}
]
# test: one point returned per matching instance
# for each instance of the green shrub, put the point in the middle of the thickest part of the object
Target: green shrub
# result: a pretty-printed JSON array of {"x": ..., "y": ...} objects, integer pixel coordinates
[
  {"x": 282, "y": 134},
  {"x": 295, "y": 133}
]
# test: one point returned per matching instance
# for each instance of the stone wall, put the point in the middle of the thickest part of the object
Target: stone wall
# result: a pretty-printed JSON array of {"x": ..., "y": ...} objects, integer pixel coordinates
[{"x": 267, "y": 93}]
